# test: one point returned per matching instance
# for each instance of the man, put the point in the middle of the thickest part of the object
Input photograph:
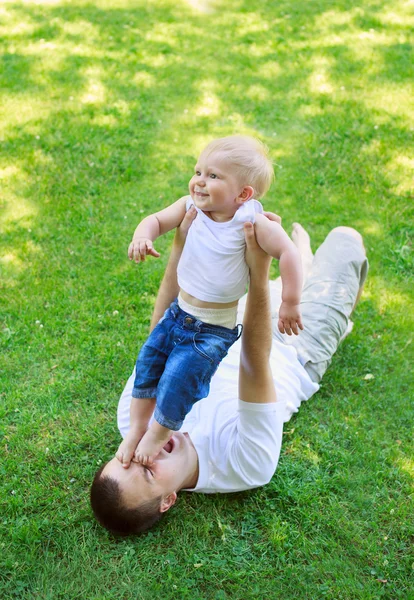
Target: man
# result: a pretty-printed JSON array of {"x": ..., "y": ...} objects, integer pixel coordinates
[{"x": 231, "y": 440}]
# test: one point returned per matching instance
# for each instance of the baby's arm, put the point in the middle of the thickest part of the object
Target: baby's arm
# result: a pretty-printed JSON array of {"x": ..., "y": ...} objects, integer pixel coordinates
[
  {"x": 152, "y": 227},
  {"x": 274, "y": 240}
]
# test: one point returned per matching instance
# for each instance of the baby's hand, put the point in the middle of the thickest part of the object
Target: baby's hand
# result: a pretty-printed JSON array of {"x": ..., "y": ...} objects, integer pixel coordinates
[
  {"x": 289, "y": 318},
  {"x": 139, "y": 248}
]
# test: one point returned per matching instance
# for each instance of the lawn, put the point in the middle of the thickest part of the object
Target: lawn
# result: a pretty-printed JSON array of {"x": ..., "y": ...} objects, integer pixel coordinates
[{"x": 104, "y": 107}]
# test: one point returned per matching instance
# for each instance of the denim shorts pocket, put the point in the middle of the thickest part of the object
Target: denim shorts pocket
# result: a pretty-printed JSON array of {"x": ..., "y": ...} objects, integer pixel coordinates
[{"x": 212, "y": 347}]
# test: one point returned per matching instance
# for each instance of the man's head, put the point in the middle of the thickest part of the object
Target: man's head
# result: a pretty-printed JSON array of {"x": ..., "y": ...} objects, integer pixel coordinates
[{"x": 129, "y": 501}]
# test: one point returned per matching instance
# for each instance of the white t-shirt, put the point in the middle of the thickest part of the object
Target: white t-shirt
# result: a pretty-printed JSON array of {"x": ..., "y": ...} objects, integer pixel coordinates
[
  {"x": 238, "y": 443},
  {"x": 212, "y": 266}
]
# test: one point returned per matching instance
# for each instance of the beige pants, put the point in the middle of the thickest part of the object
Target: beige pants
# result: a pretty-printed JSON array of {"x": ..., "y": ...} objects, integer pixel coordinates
[{"x": 339, "y": 269}]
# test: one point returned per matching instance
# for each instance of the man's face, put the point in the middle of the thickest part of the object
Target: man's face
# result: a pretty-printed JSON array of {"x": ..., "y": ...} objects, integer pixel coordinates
[
  {"x": 215, "y": 185},
  {"x": 175, "y": 467}
]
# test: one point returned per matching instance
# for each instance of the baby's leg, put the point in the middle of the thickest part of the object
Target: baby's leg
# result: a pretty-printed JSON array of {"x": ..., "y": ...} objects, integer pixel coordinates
[
  {"x": 152, "y": 443},
  {"x": 186, "y": 379},
  {"x": 141, "y": 412}
]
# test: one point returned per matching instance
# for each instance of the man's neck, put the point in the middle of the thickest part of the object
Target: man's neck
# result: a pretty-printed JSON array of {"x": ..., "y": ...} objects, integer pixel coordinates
[{"x": 192, "y": 479}]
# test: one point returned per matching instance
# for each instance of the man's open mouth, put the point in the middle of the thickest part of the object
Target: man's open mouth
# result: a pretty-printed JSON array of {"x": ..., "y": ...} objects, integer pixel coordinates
[{"x": 169, "y": 446}]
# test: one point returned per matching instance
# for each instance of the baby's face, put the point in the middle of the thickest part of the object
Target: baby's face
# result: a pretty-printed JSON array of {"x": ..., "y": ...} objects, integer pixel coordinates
[{"x": 215, "y": 186}]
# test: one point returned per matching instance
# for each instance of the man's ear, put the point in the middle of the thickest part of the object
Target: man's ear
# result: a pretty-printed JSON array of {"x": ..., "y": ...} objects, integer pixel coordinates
[
  {"x": 245, "y": 195},
  {"x": 168, "y": 501}
]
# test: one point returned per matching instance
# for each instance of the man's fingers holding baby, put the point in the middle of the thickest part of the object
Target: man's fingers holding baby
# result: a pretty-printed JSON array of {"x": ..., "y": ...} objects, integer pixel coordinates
[
  {"x": 256, "y": 258},
  {"x": 189, "y": 217},
  {"x": 182, "y": 230},
  {"x": 273, "y": 217}
]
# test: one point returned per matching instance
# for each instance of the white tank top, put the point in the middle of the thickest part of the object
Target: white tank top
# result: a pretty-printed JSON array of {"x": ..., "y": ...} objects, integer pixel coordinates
[{"x": 212, "y": 267}]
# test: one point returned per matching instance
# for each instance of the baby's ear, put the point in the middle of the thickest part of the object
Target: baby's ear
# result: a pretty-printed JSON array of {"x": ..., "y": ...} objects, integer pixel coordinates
[{"x": 246, "y": 194}]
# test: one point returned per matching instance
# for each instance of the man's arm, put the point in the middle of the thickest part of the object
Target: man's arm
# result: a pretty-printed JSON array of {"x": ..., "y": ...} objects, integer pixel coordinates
[
  {"x": 255, "y": 376},
  {"x": 169, "y": 285}
]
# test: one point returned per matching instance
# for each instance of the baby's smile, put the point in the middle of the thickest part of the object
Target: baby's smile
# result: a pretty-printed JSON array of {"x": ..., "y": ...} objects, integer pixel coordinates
[{"x": 199, "y": 192}]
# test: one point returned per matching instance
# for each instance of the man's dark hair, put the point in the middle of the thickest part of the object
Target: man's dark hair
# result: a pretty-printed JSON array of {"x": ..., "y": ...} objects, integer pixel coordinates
[{"x": 109, "y": 509}]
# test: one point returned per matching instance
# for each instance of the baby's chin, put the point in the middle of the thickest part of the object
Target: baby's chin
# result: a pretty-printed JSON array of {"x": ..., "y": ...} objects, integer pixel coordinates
[{"x": 198, "y": 202}]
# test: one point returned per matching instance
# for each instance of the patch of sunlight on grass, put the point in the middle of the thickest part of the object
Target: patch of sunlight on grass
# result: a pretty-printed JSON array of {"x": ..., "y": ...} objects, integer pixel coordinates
[
  {"x": 393, "y": 99},
  {"x": 122, "y": 107},
  {"x": 19, "y": 210},
  {"x": 311, "y": 110},
  {"x": 372, "y": 229},
  {"x": 390, "y": 299},
  {"x": 20, "y": 111},
  {"x": 82, "y": 29},
  {"x": 374, "y": 148},
  {"x": 335, "y": 17},
  {"x": 21, "y": 28},
  {"x": 165, "y": 33},
  {"x": 404, "y": 16},
  {"x": 256, "y": 50},
  {"x": 105, "y": 121},
  {"x": 95, "y": 92},
  {"x": 311, "y": 455},
  {"x": 258, "y": 93},
  {"x": 270, "y": 70},
  {"x": 9, "y": 172},
  {"x": 160, "y": 60},
  {"x": 254, "y": 24},
  {"x": 144, "y": 79},
  {"x": 360, "y": 43},
  {"x": 407, "y": 465},
  {"x": 203, "y": 6},
  {"x": 209, "y": 104},
  {"x": 401, "y": 170},
  {"x": 12, "y": 260},
  {"x": 319, "y": 82},
  {"x": 276, "y": 153},
  {"x": 39, "y": 2}
]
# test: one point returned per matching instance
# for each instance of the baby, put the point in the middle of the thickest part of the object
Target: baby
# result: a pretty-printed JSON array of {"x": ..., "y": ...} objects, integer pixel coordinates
[{"x": 177, "y": 362}]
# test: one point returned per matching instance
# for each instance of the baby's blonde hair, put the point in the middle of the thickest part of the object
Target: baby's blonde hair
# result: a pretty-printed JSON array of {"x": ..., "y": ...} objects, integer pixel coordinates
[{"x": 249, "y": 156}]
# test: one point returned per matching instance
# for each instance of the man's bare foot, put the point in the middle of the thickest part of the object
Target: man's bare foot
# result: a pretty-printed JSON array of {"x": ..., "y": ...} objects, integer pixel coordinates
[
  {"x": 152, "y": 443},
  {"x": 128, "y": 446},
  {"x": 301, "y": 240}
]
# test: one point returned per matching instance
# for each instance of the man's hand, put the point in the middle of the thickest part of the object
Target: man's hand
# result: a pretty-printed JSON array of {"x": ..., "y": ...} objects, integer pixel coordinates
[
  {"x": 290, "y": 320},
  {"x": 273, "y": 217},
  {"x": 141, "y": 247},
  {"x": 257, "y": 259}
]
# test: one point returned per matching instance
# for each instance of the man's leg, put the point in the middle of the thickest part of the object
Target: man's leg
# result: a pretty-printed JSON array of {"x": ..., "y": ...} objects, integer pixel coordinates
[{"x": 332, "y": 288}]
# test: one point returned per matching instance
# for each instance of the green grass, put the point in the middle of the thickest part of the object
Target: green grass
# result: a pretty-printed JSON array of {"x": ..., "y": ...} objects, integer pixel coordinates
[{"x": 104, "y": 107}]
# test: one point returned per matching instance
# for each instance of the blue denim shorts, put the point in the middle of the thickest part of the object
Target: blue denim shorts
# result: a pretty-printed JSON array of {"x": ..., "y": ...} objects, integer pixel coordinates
[{"x": 177, "y": 362}]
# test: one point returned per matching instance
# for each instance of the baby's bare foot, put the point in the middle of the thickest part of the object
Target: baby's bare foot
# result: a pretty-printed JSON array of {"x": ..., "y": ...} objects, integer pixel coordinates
[
  {"x": 300, "y": 236},
  {"x": 152, "y": 443},
  {"x": 127, "y": 448}
]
